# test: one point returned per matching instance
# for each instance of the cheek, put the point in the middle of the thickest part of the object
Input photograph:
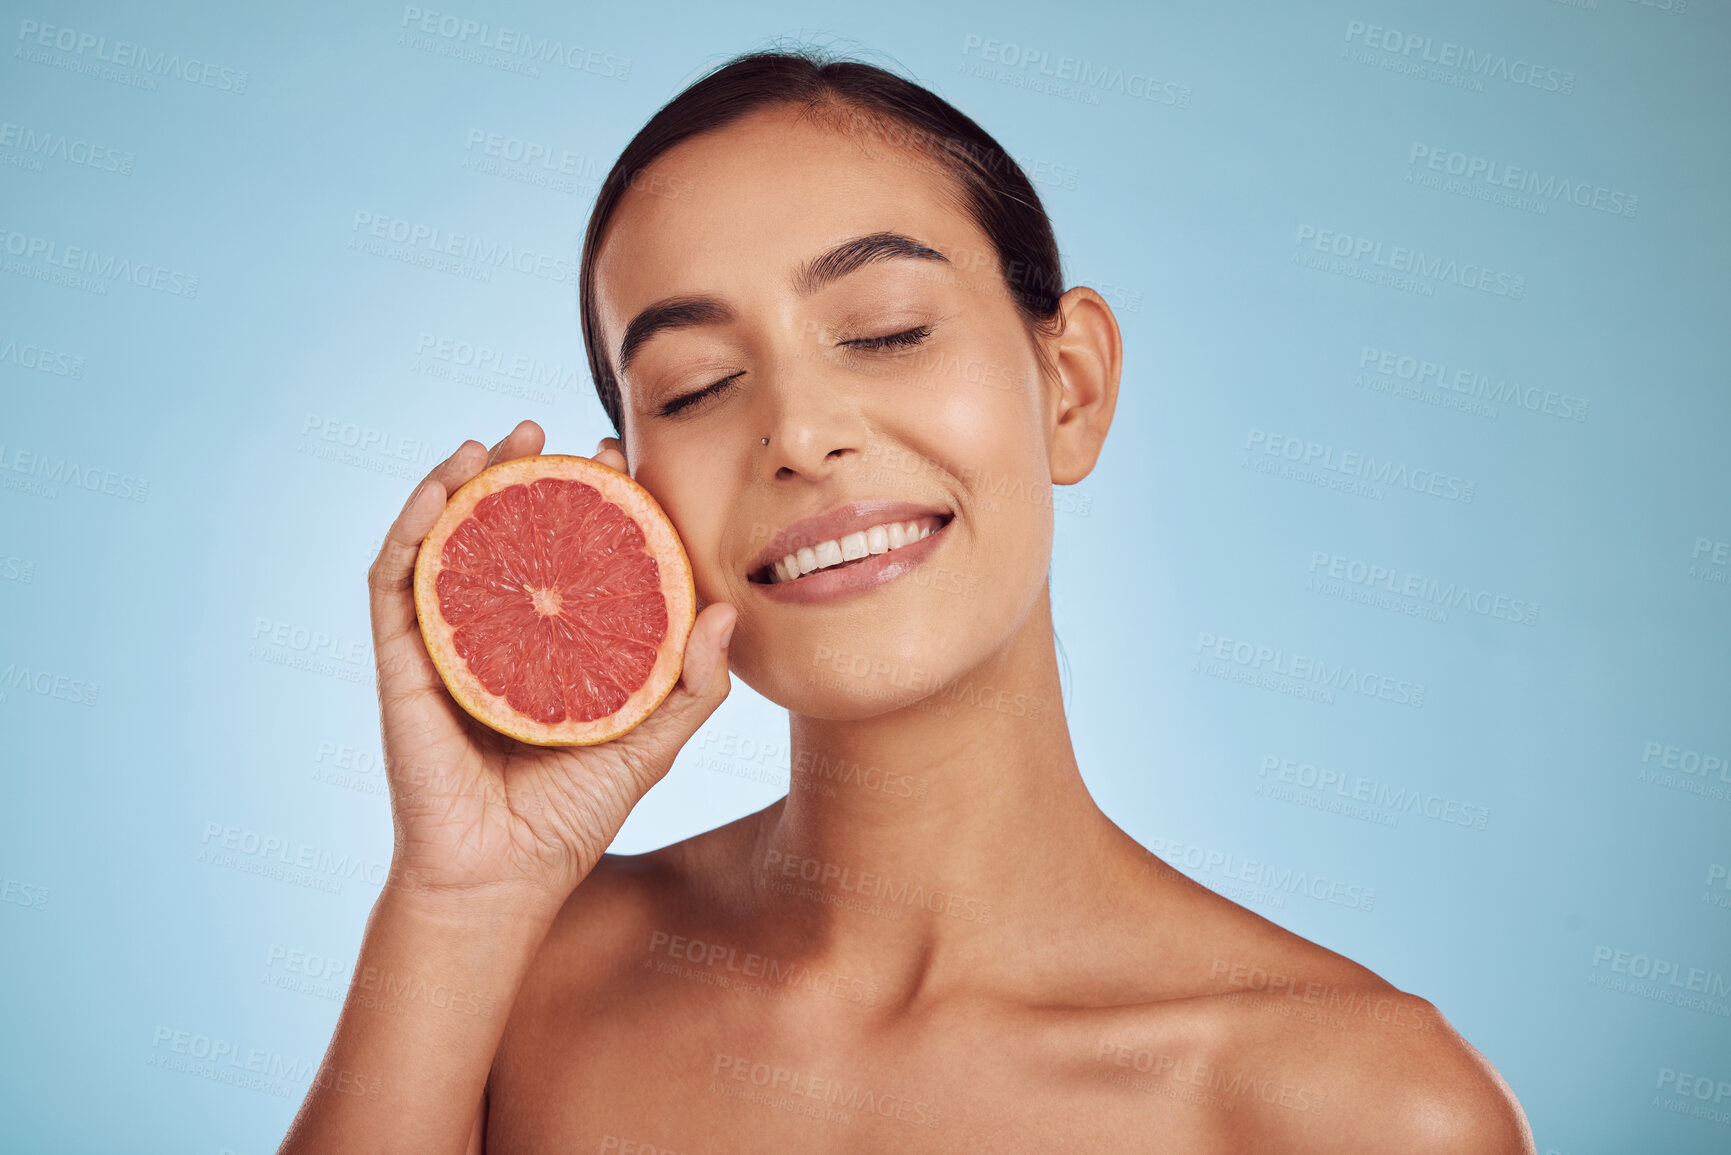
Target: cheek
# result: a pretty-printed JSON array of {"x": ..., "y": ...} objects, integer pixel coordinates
[
  {"x": 989, "y": 436},
  {"x": 695, "y": 501},
  {"x": 970, "y": 390},
  {"x": 986, "y": 427}
]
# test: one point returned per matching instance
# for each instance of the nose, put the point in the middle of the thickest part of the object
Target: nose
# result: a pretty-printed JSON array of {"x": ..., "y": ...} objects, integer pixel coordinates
[{"x": 813, "y": 423}]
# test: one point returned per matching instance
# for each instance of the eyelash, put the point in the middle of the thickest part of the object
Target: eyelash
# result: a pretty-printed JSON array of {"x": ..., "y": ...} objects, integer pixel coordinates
[
  {"x": 679, "y": 404},
  {"x": 900, "y": 340},
  {"x": 903, "y": 340}
]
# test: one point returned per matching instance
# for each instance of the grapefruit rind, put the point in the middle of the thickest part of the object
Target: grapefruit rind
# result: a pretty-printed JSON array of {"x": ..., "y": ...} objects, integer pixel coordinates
[{"x": 660, "y": 541}]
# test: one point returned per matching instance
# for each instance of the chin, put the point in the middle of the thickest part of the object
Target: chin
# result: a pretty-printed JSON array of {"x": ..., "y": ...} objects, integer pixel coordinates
[{"x": 852, "y": 678}]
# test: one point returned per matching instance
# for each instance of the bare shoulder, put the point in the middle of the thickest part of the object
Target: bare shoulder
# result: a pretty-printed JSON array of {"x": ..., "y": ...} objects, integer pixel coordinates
[
  {"x": 1377, "y": 1069},
  {"x": 1306, "y": 1050},
  {"x": 631, "y": 902},
  {"x": 605, "y": 981}
]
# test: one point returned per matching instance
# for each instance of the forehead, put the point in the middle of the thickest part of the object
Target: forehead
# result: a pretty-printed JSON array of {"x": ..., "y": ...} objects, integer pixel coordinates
[{"x": 735, "y": 211}]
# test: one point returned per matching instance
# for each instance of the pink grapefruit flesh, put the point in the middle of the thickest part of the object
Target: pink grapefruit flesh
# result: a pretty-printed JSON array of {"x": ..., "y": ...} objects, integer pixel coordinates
[{"x": 555, "y": 599}]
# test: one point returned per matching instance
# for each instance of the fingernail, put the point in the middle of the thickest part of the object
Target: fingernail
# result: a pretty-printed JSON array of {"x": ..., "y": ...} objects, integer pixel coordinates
[{"x": 727, "y": 634}]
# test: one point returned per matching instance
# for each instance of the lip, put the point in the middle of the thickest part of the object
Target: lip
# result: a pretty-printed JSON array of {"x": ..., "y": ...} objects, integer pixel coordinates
[
  {"x": 838, "y": 523},
  {"x": 868, "y": 573}
]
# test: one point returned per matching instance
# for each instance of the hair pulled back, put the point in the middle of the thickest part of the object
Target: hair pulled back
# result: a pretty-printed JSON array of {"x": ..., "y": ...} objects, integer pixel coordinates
[{"x": 852, "y": 97}]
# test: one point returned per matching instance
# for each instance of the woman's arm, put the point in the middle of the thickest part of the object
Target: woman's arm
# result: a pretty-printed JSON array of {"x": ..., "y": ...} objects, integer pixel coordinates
[
  {"x": 407, "y": 1065},
  {"x": 492, "y": 836}
]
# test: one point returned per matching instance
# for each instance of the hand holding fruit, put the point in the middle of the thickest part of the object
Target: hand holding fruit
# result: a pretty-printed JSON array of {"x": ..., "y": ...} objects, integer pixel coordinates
[{"x": 474, "y": 808}]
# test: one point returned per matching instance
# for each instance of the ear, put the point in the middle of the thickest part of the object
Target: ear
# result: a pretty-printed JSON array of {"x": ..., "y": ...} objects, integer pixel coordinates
[{"x": 1087, "y": 356}]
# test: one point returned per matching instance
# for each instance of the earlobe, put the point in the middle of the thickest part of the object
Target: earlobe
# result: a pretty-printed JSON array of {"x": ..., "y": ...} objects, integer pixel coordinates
[{"x": 1088, "y": 356}]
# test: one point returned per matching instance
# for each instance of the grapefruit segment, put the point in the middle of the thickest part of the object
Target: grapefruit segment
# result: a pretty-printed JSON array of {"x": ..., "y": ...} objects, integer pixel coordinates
[{"x": 555, "y": 599}]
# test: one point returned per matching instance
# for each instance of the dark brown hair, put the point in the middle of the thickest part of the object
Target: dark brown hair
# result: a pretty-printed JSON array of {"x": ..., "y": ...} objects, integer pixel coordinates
[{"x": 995, "y": 192}]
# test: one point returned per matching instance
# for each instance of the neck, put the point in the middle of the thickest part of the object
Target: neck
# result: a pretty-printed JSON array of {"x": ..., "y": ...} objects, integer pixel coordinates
[{"x": 935, "y": 825}]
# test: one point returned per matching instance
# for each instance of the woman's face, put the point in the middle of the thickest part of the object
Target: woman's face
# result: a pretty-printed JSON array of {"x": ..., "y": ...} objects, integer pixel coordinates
[{"x": 780, "y": 279}]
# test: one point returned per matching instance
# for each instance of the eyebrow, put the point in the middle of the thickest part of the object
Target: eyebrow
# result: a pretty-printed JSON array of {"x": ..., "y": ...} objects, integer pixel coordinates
[{"x": 847, "y": 257}]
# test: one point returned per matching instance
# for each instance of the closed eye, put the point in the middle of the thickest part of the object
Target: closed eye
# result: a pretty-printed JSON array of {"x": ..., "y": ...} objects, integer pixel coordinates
[
  {"x": 679, "y": 404},
  {"x": 907, "y": 338},
  {"x": 892, "y": 341}
]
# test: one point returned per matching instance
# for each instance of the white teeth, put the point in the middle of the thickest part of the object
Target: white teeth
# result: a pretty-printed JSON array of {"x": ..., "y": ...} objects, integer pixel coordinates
[{"x": 851, "y": 547}]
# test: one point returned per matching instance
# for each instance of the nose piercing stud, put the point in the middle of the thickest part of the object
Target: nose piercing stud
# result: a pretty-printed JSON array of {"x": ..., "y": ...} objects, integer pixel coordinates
[{"x": 766, "y": 441}]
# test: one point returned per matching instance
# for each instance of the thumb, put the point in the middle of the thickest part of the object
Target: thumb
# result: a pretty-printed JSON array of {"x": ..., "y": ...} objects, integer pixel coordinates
[
  {"x": 703, "y": 682},
  {"x": 703, "y": 685}
]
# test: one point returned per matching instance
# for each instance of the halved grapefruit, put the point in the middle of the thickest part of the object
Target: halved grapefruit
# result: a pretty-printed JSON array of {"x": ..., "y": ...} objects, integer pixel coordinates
[{"x": 555, "y": 599}]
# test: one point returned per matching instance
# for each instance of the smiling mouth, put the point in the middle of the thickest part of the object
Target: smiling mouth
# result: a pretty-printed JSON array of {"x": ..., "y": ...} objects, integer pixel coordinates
[{"x": 850, "y": 549}]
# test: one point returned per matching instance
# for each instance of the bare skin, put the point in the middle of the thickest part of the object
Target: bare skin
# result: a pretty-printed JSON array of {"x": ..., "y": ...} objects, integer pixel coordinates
[{"x": 986, "y": 963}]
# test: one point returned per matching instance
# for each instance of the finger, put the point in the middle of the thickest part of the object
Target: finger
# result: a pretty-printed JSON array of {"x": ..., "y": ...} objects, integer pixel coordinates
[
  {"x": 392, "y": 573},
  {"x": 707, "y": 647},
  {"x": 526, "y": 440},
  {"x": 703, "y": 685},
  {"x": 611, "y": 453}
]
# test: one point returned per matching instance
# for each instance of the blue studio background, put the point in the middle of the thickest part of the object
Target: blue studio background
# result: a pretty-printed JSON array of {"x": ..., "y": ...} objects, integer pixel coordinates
[{"x": 1424, "y": 310}]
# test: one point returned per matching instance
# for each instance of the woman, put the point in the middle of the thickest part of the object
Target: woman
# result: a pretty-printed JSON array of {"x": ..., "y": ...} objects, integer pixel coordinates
[{"x": 820, "y": 302}]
